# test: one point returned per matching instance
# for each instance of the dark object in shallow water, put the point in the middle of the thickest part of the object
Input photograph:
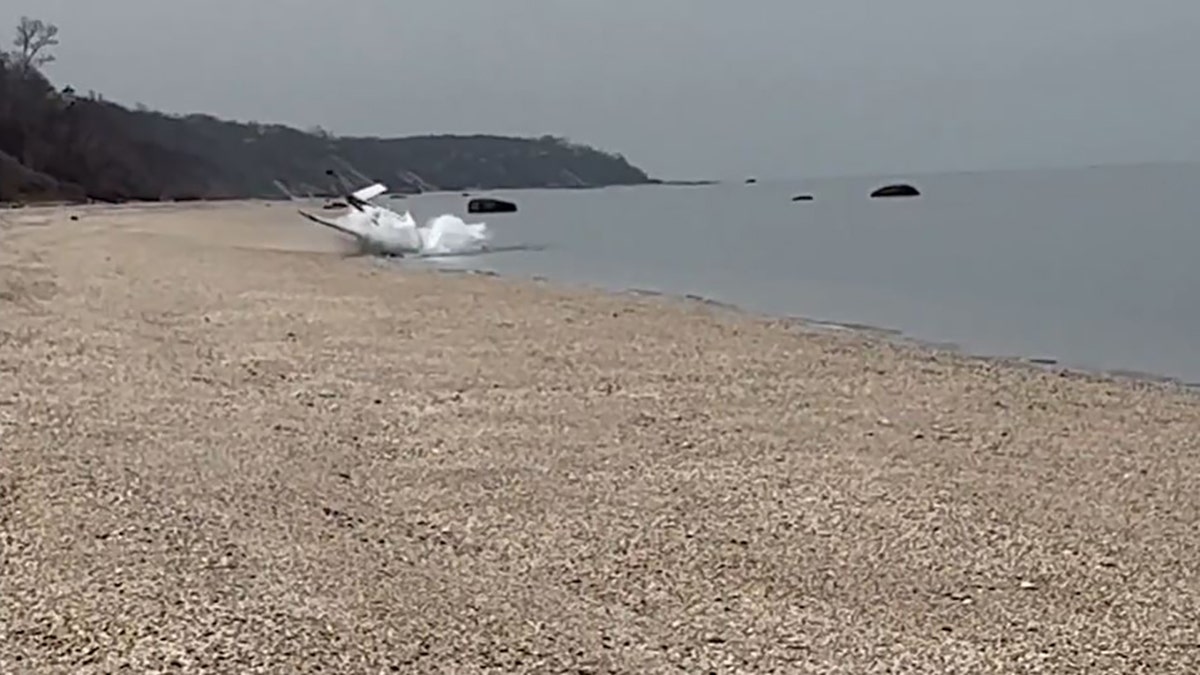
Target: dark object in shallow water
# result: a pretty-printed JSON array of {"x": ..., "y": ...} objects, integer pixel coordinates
[
  {"x": 489, "y": 205},
  {"x": 802, "y": 198},
  {"x": 897, "y": 190},
  {"x": 751, "y": 181}
]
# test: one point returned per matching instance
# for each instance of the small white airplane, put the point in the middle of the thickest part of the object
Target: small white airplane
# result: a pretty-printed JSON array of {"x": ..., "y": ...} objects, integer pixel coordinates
[{"x": 382, "y": 231}]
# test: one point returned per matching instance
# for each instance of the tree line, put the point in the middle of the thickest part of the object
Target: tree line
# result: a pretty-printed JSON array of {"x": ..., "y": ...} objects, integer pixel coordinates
[{"x": 60, "y": 144}]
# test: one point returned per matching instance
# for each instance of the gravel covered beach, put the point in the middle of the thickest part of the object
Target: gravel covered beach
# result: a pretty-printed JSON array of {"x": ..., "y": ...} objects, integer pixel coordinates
[{"x": 226, "y": 446}]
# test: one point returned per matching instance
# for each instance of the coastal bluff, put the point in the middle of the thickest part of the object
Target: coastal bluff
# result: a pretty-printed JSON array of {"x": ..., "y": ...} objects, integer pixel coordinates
[{"x": 58, "y": 144}]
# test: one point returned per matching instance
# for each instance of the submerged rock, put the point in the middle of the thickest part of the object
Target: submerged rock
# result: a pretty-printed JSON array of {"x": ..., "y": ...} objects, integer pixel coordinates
[
  {"x": 490, "y": 205},
  {"x": 896, "y": 190},
  {"x": 802, "y": 198}
]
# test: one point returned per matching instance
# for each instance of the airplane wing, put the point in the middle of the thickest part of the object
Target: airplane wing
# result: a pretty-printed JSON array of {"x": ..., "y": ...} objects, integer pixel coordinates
[{"x": 330, "y": 224}]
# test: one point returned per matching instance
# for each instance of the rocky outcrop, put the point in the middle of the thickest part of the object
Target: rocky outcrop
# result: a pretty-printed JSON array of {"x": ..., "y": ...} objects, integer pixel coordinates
[
  {"x": 896, "y": 190},
  {"x": 490, "y": 205}
]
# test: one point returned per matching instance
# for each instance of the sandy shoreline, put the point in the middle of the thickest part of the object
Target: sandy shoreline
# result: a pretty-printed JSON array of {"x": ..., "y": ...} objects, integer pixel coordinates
[
  {"x": 873, "y": 332},
  {"x": 225, "y": 444}
]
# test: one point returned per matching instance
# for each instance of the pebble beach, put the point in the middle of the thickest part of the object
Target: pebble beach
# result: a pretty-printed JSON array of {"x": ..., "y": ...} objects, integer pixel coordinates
[{"x": 229, "y": 445}]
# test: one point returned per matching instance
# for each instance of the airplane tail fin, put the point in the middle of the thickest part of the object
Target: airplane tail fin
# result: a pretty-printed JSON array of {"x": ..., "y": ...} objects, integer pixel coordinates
[{"x": 370, "y": 192}]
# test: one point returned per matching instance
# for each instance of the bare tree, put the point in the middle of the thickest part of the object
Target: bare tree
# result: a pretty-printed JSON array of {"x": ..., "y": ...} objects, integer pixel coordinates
[{"x": 34, "y": 37}]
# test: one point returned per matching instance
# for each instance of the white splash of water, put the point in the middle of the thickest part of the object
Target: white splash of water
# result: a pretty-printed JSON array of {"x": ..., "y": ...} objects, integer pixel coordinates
[{"x": 448, "y": 234}]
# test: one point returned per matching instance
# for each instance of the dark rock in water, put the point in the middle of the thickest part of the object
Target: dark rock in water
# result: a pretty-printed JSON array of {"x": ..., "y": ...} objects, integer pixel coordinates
[
  {"x": 897, "y": 190},
  {"x": 489, "y": 205},
  {"x": 802, "y": 198},
  {"x": 751, "y": 181}
]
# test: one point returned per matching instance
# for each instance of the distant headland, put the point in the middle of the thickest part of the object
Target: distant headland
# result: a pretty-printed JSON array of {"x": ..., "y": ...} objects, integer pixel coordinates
[{"x": 59, "y": 144}]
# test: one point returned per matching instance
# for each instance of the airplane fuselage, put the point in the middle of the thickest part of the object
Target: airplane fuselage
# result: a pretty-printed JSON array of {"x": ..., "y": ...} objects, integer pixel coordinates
[
  {"x": 377, "y": 230},
  {"x": 381, "y": 231}
]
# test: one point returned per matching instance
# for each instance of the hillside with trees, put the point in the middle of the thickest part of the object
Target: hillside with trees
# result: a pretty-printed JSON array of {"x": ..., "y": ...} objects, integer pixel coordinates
[{"x": 59, "y": 144}]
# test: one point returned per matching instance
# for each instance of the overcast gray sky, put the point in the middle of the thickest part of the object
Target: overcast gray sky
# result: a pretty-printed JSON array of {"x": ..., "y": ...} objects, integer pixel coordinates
[{"x": 684, "y": 88}]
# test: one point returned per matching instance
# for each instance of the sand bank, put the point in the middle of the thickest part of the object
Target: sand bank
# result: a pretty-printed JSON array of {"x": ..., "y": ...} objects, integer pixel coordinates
[{"x": 226, "y": 444}]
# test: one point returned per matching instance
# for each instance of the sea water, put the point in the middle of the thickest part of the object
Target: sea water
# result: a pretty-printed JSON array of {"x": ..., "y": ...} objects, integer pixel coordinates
[{"x": 1094, "y": 268}]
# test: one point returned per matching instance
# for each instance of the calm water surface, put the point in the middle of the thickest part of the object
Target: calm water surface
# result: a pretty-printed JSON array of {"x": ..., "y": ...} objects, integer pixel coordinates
[{"x": 1093, "y": 267}]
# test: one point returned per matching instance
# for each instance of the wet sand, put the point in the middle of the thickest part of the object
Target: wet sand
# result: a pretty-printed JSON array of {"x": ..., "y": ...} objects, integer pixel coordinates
[{"x": 225, "y": 446}]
